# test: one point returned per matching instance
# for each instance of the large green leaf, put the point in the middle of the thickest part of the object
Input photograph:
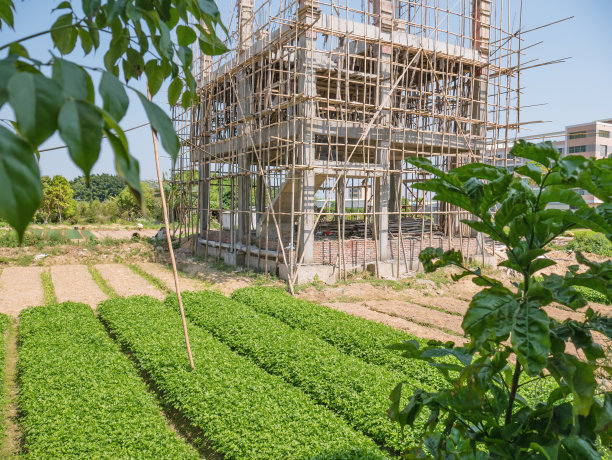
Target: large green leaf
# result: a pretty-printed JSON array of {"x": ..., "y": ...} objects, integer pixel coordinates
[
  {"x": 561, "y": 195},
  {"x": 531, "y": 338},
  {"x": 36, "y": 101},
  {"x": 73, "y": 80},
  {"x": 114, "y": 97},
  {"x": 7, "y": 70},
  {"x": 490, "y": 315},
  {"x": 80, "y": 126},
  {"x": 185, "y": 35},
  {"x": 163, "y": 125},
  {"x": 174, "y": 91},
  {"x": 543, "y": 153},
  {"x": 64, "y": 34},
  {"x": 579, "y": 377},
  {"x": 20, "y": 187},
  {"x": 155, "y": 77}
]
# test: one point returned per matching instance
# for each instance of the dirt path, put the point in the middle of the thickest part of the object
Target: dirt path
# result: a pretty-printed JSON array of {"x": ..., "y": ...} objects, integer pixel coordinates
[
  {"x": 417, "y": 314},
  {"x": 74, "y": 283},
  {"x": 396, "y": 322},
  {"x": 20, "y": 287},
  {"x": 12, "y": 440},
  {"x": 126, "y": 283},
  {"x": 165, "y": 275}
]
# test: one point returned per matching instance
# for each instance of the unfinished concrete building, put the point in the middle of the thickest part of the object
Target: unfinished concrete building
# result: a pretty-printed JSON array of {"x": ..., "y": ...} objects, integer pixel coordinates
[{"x": 294, "y": 161}]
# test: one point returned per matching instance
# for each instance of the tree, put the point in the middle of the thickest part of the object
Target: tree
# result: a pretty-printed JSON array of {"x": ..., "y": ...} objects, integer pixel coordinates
[
  {"x": 485, "y": 412},
  {"x": 150, "y": 39},
  {"x": 58, "y": 202},
  {"x": 101, "y": 187},
  {"x": 130, "y": 208}
]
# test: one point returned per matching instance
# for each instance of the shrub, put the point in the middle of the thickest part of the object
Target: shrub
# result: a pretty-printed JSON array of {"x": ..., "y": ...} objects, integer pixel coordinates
[
  {"x": 80, "y": 396},
  {"x": 241, "y": 410},
  {"x": 595, "y": 243},
  {"x": 350, "y": 387}
]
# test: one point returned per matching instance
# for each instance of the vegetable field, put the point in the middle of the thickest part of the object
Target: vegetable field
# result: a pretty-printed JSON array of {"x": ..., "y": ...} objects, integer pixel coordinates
[{"x": 275, "y": 377}]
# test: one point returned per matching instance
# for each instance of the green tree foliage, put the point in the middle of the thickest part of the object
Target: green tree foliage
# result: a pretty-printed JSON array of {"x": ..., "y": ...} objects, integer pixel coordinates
[
  {"x": 58, "y": 202},
  {"x": 482, "y": 413},
  {"x": 149, "y": 40},
  {"x": 101, "y": 187},
  {"x": 129, "y": 208}
]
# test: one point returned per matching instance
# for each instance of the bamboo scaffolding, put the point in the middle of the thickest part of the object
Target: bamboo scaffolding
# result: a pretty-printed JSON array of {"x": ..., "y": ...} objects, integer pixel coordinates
[{"x": 306, "y": 126}]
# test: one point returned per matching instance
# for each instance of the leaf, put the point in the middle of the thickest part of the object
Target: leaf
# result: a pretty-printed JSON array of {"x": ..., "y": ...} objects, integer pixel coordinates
[
  {"x": 561, "y": 195},
  {"x": 19, "y": 181},
  {"x": 531, "y": 170},
  {"x": 174, "y": 91},
  {"x": 7, "y": 70},
  {"x": 90, "y": 7},
  {"x": 185, "y": 35},
  {"x": 162, "y": 124},
  {"x": 80, "y": 126},
  {"x": 86, "y": 42},
  {"x": 542, "y": 153},
  {"x": 126, "y": 165},
  {"x": 490, "y": 315},
  {"x": 64, "y": 34},
  {"x": 579, "y": 377},
  {"x": 17, "y": 49},
  {"x": 209, "y": 7},
  {"x": 36, "y": 101},
  {"x": 114, "y": 9},
  {"x": 155, "y": 77},
  {"x": 73, "y": 80},
  {"x": 530, "y": 337},
  {"x": 580, "y": 448},
  {"x": 6, "y": 13},
  {"x": 114, "y": 97}
]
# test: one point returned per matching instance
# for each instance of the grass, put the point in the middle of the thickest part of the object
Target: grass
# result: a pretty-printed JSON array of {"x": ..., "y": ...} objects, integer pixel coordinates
[
  {"x": 48, "y": 288},
  {"x": 101, "y": 282},
  {"x": 155, "y": 281}
]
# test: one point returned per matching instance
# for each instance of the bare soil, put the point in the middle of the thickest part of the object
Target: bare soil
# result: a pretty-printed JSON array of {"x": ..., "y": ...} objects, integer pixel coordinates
[
  {"x": 127, "y": 283},
  {"x": 396, "y": 322},
  {"x": 20, "y": 287},
  {"x": 165, "y": 275},
  {"x": 74, "y": 283}
]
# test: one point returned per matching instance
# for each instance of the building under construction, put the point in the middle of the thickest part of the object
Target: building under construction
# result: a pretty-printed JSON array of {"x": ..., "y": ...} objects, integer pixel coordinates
[{"x": 294, "y": 161}]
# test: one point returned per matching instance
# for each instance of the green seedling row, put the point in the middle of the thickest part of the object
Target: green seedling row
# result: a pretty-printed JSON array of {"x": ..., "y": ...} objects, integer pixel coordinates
[
  {"x": 80, "y": 397},
  {"x": 241, "y": 411},
  {"x": 356, "y": 390}
]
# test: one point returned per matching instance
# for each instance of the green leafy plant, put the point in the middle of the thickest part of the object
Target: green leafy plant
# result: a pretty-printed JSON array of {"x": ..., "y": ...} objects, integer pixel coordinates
[
  {"x": 482, "y": 413},
  {"x": 80, "y": 397},
  {"x": 320, "y": 370},
  {"x": 239, "y": 409},
  {"x": 150, "y": 39}
]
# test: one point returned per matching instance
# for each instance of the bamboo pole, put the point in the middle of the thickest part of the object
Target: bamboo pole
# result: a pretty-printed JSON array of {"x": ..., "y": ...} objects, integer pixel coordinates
[{"x": 169, "y": 240}]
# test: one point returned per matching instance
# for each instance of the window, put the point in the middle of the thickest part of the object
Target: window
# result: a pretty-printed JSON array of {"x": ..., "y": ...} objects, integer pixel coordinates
[
  {"x": 578, "y": 149},
  {"x": 560, "y": 149},
  {"x": 577, "y": 135},
  {"x": 603, "y": 133}
]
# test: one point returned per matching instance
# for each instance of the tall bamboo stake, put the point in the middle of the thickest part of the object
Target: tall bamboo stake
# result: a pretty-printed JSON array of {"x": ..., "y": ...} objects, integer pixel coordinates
[{"x": 168, "y": 239}]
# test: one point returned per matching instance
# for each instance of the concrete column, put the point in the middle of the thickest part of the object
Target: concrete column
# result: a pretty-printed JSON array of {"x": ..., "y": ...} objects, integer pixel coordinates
[
  {"x": 481, "y": 26},
  {"x": 307, "y": 14},
  {"x": 244, "y": 197},
  {"x": 382, "y": 183},
  {"x": 204, "y": 195},
  {"x": 395, "y": 192}
]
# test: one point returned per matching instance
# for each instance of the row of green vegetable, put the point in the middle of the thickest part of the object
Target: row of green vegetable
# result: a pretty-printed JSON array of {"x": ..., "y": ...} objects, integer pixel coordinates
[
  {"x": 241, "y": 410},
  {"x": 352, "y": 388},
  {"x": 80, "y": 396}
]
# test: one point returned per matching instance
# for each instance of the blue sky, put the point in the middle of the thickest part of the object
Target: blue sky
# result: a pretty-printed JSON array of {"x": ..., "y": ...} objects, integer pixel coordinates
[{"x": 579, "y": 90}]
